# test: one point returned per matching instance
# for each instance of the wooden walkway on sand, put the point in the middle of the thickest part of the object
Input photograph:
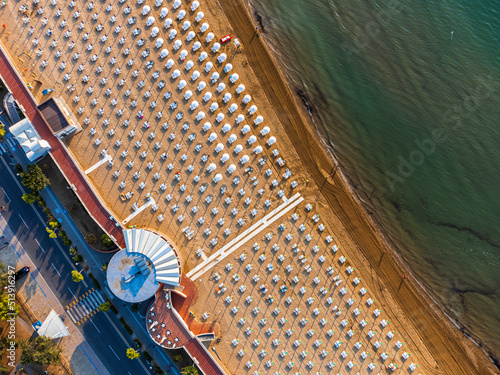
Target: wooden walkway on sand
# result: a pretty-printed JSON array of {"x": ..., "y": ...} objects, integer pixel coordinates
[{"x": 59, "y": 153}]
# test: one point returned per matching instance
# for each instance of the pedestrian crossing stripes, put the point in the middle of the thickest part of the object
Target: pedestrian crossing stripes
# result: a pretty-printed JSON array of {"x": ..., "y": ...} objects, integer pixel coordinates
[
  {"x": 8, "y": 143},
  {"x": 84, "y": 306}
]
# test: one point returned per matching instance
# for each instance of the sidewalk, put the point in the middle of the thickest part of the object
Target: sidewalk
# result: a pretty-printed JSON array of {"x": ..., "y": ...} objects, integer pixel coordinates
[{"x": 41, "y": 299}]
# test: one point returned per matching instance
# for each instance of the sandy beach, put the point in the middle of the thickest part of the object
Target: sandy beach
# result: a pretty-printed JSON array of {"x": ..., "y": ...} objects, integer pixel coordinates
[{"x": 377, "y": 311}]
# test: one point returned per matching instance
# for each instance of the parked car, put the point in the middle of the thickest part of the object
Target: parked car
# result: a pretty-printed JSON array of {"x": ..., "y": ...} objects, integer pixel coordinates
[{"x": 22, "y": 272}]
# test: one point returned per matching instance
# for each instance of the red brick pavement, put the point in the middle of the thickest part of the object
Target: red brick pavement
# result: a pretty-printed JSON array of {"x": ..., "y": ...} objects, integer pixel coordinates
[{"x": 59, "y": 152}]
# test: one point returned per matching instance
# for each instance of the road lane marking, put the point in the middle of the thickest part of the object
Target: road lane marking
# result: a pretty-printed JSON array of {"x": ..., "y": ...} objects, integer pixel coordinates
[
  {"x": 23, "y": 221},
  {"x": 73, "y": 294},
  {"x": 40, "y": 246},
  {"x": 6, "y": 195},
  {"x": 56, "y": 269},
  {"x": 113, "y": 352},
  {"x": 96, "y": 327}
]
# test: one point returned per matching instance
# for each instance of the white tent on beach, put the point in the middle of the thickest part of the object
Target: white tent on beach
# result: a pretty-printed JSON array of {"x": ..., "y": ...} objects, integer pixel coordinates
[{"x": 53, "y": 327}]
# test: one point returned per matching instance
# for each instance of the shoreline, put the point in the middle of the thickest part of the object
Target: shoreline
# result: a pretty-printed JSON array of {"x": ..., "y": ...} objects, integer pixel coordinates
[{"x": 344, "y": 183}]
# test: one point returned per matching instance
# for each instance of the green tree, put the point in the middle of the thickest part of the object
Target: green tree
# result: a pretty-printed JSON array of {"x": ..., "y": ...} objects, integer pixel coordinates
[
  {"x": 51, "y": 233},
  {"x": 73, "y": 250},
  {"x": 76, "y": 276},
  {"x": 132, "y": 354},
  {"x": 176, "y": 358},
  {"x": 106, "y": 241},
  {"x": 8, "y": 307},
  {"x": 29, "y": 198},
  {"x": 42, "y": 350},
  {"x": 2, "y": 130},
  {"x": 105, "y": 306},
  {"x": 189, "y": 370},
  {"x": 33, "y": 178}
]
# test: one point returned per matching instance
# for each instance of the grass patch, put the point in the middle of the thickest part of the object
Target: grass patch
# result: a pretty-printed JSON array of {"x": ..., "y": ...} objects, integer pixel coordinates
[{"x": 127, "y": 327}]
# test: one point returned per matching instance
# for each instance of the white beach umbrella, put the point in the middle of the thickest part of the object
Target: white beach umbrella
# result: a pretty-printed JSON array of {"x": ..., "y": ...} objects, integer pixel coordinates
[
  {"x": 239, "y": 118},
  {"x": 195, "y": 75},
  {"x": 190, "y": 36},
  {"x": 251, "y": 139},
  {"x": 188, "y": 94},
  {"x": 194, "y": 5},
  {"x": 217, "y": 177},
  {"x": 176, "y": 73},
  {"x": 196, "y": 46},
  {"x": 212, "y": 137},
  {"x": 240, "y": 89},
  {"x": 204, "y": 28},
  {"x": 206, "y": 126},
  {"x": 238, "y": 149},
  {"x": 181, "y": 14},
  {"x": 182, "y": 84},
  {"x": 150, "y": 21},
  {"x": 211, "y": 167},
  {"x": 207, "y": 96},
  {"x": 177, "y": 4},
  {"x": 257, "y": 149},
  {"x": 201, "y": 86},
  {"x": 177, "y": 44},
  {"x": 244, "y": 159},
  {"x": 172, "y": 34},
  {"x": 154, "y": 32},
  {"x": 194, "y": 104},
  {"x": 221, "y": 86},
  {"x": 265, "y": 130},
  {"x": 219, "y": 117},
  {"x": 234, "y": 77},
  {"x": 245, "y": 129},
  {"x": 145, "y": 10},
  {"x": 271, "y": 141},
  {"x": 199, "y": 16},
  {"x": 258, "y": 120},
  {"x": 208, "y": 66},
  {"x": 164, "y": 53},
  {"x": 221, "y": 58},
  {"x": 213, "y": 107},
  {"x": 226, "y": 128},
  {"x": 168, "y": 23},
  {"x": 189, "y": 65},
  {"x": 228, "y": 67},
  {"x": 231, "y": 138},
  {"x": 169, "y": 64},
  {"x": 224, "y": 158},
  {"x": 246, "y": 99},
  {"x": 231, "y": 168},
  {"x": 214, "y": 77},
  {"x": 233, "y": 108},
  {"x": 183, "y": 54},
  {"x": 186, "y": 25},
  {"x": 163, "y": 12},
  {"x": 252, "y": 109},
  {"x": 215, "y": 47},
  {"x": 219, "y": 147},
  {"x": 210, "y": 37},
  {"x": 226, "y": 97},
  {"x": 200, "y": 116},
  {"x": 203, "y": 56},
  {"x": 159, "y": 42}
]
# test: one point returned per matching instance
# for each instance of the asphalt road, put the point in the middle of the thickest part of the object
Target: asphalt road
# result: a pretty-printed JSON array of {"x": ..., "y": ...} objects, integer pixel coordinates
[{"x": 103, "y": 331}]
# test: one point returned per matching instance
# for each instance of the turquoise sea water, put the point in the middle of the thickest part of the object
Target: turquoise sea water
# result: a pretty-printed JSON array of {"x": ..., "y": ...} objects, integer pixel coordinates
[{"x": 412, "y": 112}]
